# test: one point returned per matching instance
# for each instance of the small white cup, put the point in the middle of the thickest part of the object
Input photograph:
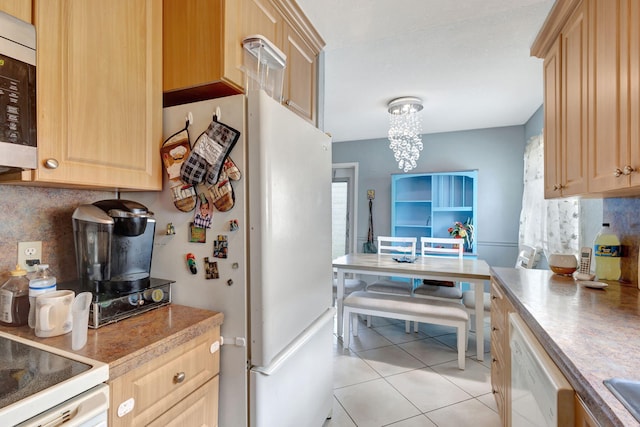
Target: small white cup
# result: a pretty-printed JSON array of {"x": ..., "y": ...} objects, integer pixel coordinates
[{"x": 53, "y": 313}]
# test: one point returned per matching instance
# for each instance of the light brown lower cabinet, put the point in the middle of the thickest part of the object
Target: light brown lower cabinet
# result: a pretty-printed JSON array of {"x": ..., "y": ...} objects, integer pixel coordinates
[
  {"x": 501, "y": 363},
  {"x": 500, "y": 354},
  {"x": 178, "y": 388},
  {"x": 583, "y": 415}
]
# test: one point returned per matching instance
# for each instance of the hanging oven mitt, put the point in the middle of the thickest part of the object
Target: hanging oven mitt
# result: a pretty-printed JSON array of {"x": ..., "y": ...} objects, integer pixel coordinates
[
  {"x": 209, "y": 153},
  {"x": 222, "y": 192},
  {"x": 174, "y": 152}
]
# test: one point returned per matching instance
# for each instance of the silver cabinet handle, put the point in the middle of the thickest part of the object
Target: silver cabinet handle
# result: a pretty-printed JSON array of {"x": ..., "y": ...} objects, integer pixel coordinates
[
  {"x": 617, "y": 173},
  {"x": 627, "y": 170},
  {"x": 51, "y": 164},
  {"x": 179, "y": 377}
]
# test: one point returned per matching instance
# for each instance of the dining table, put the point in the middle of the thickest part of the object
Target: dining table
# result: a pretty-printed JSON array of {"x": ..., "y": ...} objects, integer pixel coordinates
[{"x": 469, "y": 270}]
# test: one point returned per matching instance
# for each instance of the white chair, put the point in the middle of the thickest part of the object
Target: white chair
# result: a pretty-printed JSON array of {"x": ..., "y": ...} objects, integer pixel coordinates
[
  {"x": 438, "y": 289},
  {"x": 443, "y": 290},
  {"x": 350, "y": 285},
  {"x": 401, "y": 246},
  {"x": 527, "y": 258}
]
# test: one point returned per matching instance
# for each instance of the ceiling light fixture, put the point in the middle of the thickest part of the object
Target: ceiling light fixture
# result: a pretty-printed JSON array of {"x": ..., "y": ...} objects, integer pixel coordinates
[{"x": 405, "y": 129}]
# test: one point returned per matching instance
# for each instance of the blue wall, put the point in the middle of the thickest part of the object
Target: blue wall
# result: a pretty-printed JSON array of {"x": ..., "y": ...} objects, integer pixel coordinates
[
  {"x": 496, "y": 153},
  {"x": 535, "y": 124}
]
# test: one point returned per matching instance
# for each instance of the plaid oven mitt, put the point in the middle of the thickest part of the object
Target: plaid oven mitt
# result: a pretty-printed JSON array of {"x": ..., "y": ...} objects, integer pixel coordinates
[{"x": 207, "y": 157}]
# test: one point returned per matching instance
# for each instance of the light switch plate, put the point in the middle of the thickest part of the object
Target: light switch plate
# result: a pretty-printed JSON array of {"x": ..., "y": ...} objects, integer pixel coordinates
[{"x": 28, "y": 252}]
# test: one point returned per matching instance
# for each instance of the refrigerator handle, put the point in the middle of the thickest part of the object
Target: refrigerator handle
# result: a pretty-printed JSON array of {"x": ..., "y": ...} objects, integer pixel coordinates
[{"x": 277, "y": 361}]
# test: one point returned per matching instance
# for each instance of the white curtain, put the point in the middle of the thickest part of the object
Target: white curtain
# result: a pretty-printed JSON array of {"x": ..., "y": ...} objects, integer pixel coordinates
[{"x": 552, "y": 225}]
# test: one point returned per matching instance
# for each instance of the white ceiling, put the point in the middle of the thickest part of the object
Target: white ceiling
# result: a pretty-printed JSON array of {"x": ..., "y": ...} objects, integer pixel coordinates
[{"x": 468, "y": 60}]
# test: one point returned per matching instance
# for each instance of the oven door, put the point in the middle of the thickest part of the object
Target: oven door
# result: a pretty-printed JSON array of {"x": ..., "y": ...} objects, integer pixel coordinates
[{"x": 89, "y": 409}]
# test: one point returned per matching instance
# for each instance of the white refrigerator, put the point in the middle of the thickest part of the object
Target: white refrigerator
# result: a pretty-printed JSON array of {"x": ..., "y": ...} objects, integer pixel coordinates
[{"x": 275, "y": 286}]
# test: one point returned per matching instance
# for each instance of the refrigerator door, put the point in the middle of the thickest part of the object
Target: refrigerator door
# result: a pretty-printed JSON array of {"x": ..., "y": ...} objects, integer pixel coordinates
[
  {"x": 195, "y": 290},
  {"x": 290, "y": 273},
  {"x": 296, "y": 389}
]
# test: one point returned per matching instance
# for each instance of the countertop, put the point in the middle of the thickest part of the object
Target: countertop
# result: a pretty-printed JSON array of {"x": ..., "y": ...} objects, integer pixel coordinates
[
  {"x": 131, "y": 342},
  {"x": 591, "y": 334}
]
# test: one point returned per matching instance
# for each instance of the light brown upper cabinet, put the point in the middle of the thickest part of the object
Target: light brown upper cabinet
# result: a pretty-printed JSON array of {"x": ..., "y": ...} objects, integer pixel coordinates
[
  {"x": 565, "y": 109},
  {"x": 260, "y": 17},
  {"x": 203, "y": 49},
  {"x": 591, "y": 52},
  {"x": 99, "y": 94},
  {"x": 573, "y": 101},
  {"x": 19, "y": 8},
  {"x": 614, "y": 142},
  {"x": 300, "y": 82}
]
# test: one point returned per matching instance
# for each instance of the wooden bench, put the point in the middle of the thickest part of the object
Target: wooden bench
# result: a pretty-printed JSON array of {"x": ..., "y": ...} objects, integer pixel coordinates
[{"x": 406, "y": 308}]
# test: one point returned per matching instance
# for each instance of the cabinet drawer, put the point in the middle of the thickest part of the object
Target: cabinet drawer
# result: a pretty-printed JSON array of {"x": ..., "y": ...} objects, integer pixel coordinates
[
  {"x": 200, "y": 408},
  {"x": 164, "y": 381}
]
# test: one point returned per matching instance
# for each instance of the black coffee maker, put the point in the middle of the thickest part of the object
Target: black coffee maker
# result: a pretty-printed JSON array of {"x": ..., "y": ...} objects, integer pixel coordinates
[{"x": 114, "y": 244}]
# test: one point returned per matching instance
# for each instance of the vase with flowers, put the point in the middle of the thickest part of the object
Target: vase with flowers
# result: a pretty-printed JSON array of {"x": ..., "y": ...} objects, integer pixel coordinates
[{"x": 462, "y": 231}]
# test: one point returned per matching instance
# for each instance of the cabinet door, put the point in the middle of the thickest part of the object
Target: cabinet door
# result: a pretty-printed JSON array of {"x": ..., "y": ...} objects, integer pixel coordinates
[
  {"x": 19, "y": 8},
  {"x": 162, "y": 383},
  {"x": 100, "y": 92},
  {"x": 300, "y": 74},
  {"x": 261, "y": 17},
  {"x": 607, "y": 153},
  {"x": 200, "y": 408},
  {"x": 573, "y": 159},
  {"x": 202, "y": 48},
  {"x": 500, "y": 352},
  {"x": 630, "y": 85},
  {"x": 552, "y": 122}
]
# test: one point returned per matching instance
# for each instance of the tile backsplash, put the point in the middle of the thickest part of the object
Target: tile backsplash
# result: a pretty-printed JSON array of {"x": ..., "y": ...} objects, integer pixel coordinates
[
  {"x": 44, "y": 214},
  {"x": 622, "y": 215}
]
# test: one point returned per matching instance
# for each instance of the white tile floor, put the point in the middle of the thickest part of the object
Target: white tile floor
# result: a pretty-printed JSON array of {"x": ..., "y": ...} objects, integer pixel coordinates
[{"x": 390, "y": 378}]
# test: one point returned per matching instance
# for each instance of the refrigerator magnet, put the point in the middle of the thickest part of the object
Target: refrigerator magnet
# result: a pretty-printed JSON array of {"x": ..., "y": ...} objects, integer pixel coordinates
[
  {"x": 197, "y": 234},
  {"x": 210, "y": 269},
  {"x": 220, "y": 247}
]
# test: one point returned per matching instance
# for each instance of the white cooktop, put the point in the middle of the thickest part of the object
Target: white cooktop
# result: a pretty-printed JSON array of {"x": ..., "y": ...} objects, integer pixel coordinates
[{"x": 35, "y": 377}]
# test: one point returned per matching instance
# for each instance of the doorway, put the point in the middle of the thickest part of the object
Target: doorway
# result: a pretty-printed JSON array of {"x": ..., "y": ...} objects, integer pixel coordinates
[{"x": 344, "y": 189}]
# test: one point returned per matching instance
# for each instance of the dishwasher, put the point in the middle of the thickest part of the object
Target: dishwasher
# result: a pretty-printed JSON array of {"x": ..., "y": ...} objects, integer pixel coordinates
[{"x": 540, "y": 394}]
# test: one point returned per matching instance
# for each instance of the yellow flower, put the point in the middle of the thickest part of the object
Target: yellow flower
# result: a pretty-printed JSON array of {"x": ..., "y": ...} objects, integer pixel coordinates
[{"x": 462, "y": 233}]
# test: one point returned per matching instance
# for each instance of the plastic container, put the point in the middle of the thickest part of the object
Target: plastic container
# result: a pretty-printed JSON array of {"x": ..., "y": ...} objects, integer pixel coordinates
[
  {"x": 263, "y": 66},
  {"x": 14, "y": 299},
  {"x": 42, "y": 282},
  {"x": 607, "y": 252},
  {"x": 80, "y": 312}
]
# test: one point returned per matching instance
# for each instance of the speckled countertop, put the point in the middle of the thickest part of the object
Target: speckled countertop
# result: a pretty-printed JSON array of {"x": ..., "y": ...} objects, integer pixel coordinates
[
  {"x": 132, "y": 342},
  {"x": 591, "y": 334}
]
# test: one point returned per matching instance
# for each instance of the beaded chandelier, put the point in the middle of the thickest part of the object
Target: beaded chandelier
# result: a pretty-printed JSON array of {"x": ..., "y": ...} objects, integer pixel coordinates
[{"x": 405, "y": 129}]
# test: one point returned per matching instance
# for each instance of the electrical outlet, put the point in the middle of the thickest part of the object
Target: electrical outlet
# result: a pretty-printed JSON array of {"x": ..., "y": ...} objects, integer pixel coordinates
[{"x": 29, "y": 254}]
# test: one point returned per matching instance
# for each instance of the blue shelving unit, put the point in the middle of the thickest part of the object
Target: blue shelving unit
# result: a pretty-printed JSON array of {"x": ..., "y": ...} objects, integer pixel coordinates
[{"x": 427, "y": 204}]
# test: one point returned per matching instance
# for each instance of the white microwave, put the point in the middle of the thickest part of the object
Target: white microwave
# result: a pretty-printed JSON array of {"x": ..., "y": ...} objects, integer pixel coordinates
[{"x": 18, "y": 145}]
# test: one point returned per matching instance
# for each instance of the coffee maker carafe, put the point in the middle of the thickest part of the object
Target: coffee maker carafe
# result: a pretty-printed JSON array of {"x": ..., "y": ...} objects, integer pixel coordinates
[{"x": 114, "y": 244}]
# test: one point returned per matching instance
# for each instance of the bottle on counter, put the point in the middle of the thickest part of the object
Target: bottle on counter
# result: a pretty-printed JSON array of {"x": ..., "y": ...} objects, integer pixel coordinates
[
  {"x": 14, "y": 299},
  {"x": 42, "y": 282},
  {"x": 607, "y": 252}
]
